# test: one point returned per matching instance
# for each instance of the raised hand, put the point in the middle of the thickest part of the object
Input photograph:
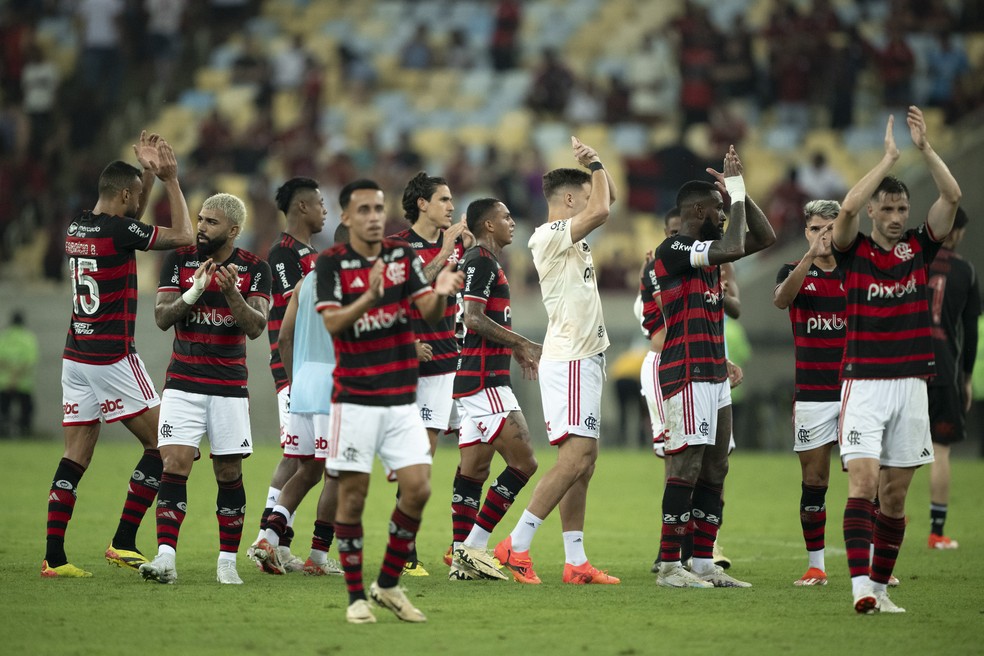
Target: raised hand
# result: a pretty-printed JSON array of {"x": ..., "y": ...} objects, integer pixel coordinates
[
  {"x": 584, "y": 154},
  {"x": 732, "y": 167},
  {"x": 377, "y": 286},
  {"x": 917, "y": 127},
  {"x": 227, "y": 277},
  {"x": 203, "y": 275},
  {"x": 167, "y": 168},
  {"x": 819, "y": 241},
  {"x": 459, "y": 229},
  {"x": 146, "y": 150},
  {"x": 449, "y": 281}
]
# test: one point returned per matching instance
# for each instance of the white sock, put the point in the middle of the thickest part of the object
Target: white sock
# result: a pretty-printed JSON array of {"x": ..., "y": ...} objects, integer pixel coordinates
[
  {"x": 318, "y": 557},
  {"x": 227, "y": 555},
  {"x": 165, "y": 550},
  {"x": 478, "y": 538},
  {"x": 857, "y": 582},
  {"x": 522, "y": 535},
  {"x": 273, "y": 496},
  {"x": 290, "y": 516},
  {"x": 574, "y": 548},
  {"x": 879, "y": 587},
  {"x": 272, "y": 537},
  {"x": 816, "y": 559},
  {"x": 702, "y": 565}
]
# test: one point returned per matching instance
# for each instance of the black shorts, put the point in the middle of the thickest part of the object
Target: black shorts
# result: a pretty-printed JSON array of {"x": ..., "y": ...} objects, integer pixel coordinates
[{"x": 946, "y": 415}]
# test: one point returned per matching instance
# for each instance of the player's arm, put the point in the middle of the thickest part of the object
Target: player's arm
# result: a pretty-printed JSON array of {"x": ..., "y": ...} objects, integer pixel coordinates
[
  {"x": 730, "y": 181},
  {"x": 146, "y": 151},
  {"x": 285, "y": 339},
  {"x": 181, "y": 232},
  {"x": 250, "y": 313},
  {"x": 596, "y": 213},
  {"x": 846, "y": 225},
  {"x": 526, "y": 353},
  {"x": 339, "y": 318},
  {"x": 942, "y": 212},
  {"x": 760, "y": 233},
  {"x": 448, "y": 243},
  {"x": 787, "y": 290},
  {"x": 447, "y": 283},
  {"x": 171, "y": 306},
  {"x": 729, "y": 284}
]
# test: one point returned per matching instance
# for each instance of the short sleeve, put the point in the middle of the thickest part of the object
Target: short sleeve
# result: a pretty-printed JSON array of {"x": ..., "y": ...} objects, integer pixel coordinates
[
  {"x": 133, "y": 235},
  {"x": 328, "y": 291},
  {"x": 416, "y": 280},
  {"x": 480, "y": 276},
  {"x": 286, "y": 269},
  {"x": 170, "y": 279},
  {"x": 784, "y": 273},
  {"x": 260, "y": 282},
  {"x": 549, "y": 242}
]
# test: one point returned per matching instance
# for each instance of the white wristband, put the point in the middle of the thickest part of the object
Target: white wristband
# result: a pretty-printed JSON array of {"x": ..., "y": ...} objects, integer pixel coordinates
[
  {"x": 192, "y": 295},
  {"x": 735, "y": 186}
]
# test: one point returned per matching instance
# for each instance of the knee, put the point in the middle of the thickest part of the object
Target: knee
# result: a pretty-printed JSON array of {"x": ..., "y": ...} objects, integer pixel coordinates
[
  {"x": 228, "y": 472},
  {"x": 415, "y": 498},
  {"x": 351, "y": 506}
]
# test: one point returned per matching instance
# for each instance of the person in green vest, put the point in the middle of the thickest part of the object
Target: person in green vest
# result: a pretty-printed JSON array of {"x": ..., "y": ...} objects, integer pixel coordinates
[{"x": 18, "y": 365}]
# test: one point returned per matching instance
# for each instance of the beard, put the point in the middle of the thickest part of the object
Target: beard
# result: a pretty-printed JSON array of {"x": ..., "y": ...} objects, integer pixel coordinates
[
  {"x": 209, "y": 246},
  {"x": 709, "y": 231}
]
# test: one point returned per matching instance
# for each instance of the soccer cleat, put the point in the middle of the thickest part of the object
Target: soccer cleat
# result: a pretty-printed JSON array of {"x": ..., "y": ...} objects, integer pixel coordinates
[
  {"x": 478, "y": 560},
  {"x": 941, "y": 542},
  {"x": 865, "y": 602},
  {"x": 395, "y": 599},
  {"x": 673, "y": 575},
  {"x": 585, "y": 574},
  {"x": 886, "y": 605},
  {"x": 225, "y": 572},
  {"x": 289, "y": 561},
  {"x": 719, "y": 579},
  {"x": 359, "y": 612},
  {"x": 813, "y": 576},
  {"x": 125, "y": 558},
  {"x": 414, "y": 568},
  {"x": 330, "y": 567},
  {"x": 893, "y": 581},
  {"x": 720, "y": 559},
  {"x": 655, "y": 567},
  {"x": 161, "y": 569},
  {"x": 517, "y": 561},
  {"x": 267, "y": 558},
  {"x": 449, "y": 556},
  {"x": 66, "y": 571},
  {"x": 463, "y": 573}
]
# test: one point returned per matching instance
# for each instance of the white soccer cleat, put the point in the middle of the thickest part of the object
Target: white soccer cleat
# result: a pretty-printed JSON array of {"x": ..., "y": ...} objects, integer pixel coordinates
[
  {"x": 330, "y": 567},
  {"x": 885, "y": 605},
  {"x": 289, "y": 561},
  {"x": 225, "y": 573},
  {"x": 160, "y": 569},
  {"x": 359, "y": 612},
  {"x": 463, "y": 573},
  {"x": 395, "y": 599},
  {"x": 673, "y": 575},
  {"x": 865, "y": 602},
  {"x": 477, "y": 560},
  {"x": 719, "y": 579}
]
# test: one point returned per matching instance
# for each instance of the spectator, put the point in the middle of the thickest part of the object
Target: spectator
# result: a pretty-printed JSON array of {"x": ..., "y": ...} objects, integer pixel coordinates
[
  {"x": 785, "y": 205},
  {"x": 946, "y": 62},
  {"x": 505, "y": 36},
  {"x": 417, "y": 52},
  {"x": 18, "y": 364},
  {"x": 551, "y": 86},
  {"x": 653, "y": 74},
  {"x": 819, "y": 180},
  {"x": 39, "y": 81},
  {"x": 458, "y": 53},
  {"x": 289, "y": 65},
  {"x": 164, "y": 19},
  {"x": 102, "y": 59},
  {"x": 585, "y": 104},
  {"x": 896, "y": 65}
]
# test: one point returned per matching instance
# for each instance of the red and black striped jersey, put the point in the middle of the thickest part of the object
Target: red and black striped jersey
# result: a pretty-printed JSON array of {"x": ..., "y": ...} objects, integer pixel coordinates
[
  {"x": 888, "y": 307},
  {"x": 693, "y": 311},
  {"x": 954, "y": 305},
  {"x": 652, "y": 314},
  {"x": 484, "y": 363},
  {"x": 209, "y": 346},
  {"x": 440, "y": 337},
  {"x": 818, "y": 316},
  {"x": 375, "y": 359},
  {"x": 103, "y": 269},
  {"x": 290, "y": 260}
]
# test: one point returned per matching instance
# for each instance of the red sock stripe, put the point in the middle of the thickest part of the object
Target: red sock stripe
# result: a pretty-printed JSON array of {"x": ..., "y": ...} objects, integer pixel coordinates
[
  {"x": 402, "y": 538},
  {"x": 705, "y": 533},
  {"x": 324, "y": 533},
  {"x": 857, "y": 535},
  {"x": 888, "y": 535},
  {"x": 349, "y": 540},
  {"x": 676, "y": 516},
  {"x": 61, "y": 504}
]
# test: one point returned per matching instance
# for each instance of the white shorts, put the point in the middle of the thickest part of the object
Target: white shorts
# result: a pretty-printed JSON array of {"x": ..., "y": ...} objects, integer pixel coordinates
[
  {"x": 186, "y": 417},
  {"x": 307, "y": 435},
  {"x": 649, "y": 377},
  {"x": 886, "y": 419},
  {"x": 814, "y": 424},
  {"x": 691, "y": 414},
  {"x": 570, "y": 392},
  {"x": 110, "y": 392},
  {"x": 283, "y": 411},
  {"x": 455, "y": 420},
  {"x": 435, "y": 400},
  {"x": 359, "y": 432},
  {"x": 484, "y": 414}
]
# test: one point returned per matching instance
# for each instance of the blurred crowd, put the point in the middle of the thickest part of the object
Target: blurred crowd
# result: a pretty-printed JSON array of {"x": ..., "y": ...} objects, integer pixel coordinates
[{"x": 79, "y": 78}]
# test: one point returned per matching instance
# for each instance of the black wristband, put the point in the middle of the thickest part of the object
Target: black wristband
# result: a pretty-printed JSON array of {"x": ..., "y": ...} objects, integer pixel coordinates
[{"x": 595, "y": 166}]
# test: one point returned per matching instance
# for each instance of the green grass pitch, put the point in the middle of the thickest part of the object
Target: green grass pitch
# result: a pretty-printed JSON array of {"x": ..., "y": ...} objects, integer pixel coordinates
[{"x": 115, "y": 612}]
